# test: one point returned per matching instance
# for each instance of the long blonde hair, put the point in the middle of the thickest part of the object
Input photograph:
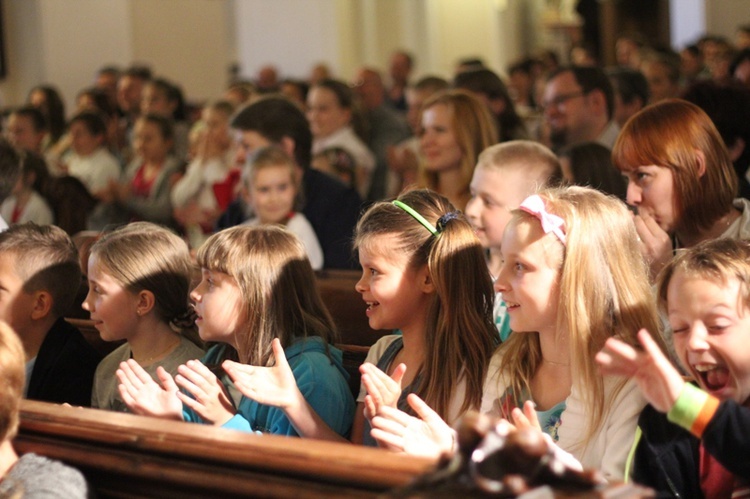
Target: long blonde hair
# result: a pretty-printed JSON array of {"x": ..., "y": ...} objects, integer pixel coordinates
[
  {"x": 604, "y": 292},
  {"x": 279, "y": 294},
  {"x": 459, "y": 330}
]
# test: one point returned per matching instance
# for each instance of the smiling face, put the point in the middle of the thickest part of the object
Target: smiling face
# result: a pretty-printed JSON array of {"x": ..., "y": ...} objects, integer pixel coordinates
[
  {"x": 397, "y": 294},
  {"x": 529, "y": 277},
  {"x": 218, "y": 302},
  {"x": 324, "y": 112},
  {"x": 272, "y": 193},
  {"x": 438, "y": 142},
  {"x": 149, "y": 142},
  {"x": 113, "y": 308},
  {"x": 651, "y": 189},
  {"x": 711, "y": 332},
  {"x": 494, "y": 193}
]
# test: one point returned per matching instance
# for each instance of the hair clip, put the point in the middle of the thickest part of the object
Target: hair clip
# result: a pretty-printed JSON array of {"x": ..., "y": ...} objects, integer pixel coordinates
[
  {"x": 534, "y": 205},
  {"x": 419, "y": 218},
  {"x": 442, "y": 221}
]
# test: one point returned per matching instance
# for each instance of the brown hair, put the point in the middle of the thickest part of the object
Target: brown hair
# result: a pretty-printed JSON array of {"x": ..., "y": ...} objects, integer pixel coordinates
[
  {"x": 473, "y": 126},
  {"x": 145, "y": 256},
  {"x": 667, "y": 134},
  {"x": 279, "y": 294},
  {"x": 12, "y": 375},
  {"x": 459, "y": 331},
  {"x": 718, "y": 260},
  {"x": 45, "y": 259}
]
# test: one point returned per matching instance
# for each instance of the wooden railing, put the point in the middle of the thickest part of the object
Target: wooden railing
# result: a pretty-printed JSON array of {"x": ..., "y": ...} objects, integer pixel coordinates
[{"x": 124, "y": 455}]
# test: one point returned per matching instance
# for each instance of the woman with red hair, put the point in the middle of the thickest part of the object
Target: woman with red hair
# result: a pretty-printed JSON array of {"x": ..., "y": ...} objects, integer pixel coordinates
[{"x": 680, "y": 180}]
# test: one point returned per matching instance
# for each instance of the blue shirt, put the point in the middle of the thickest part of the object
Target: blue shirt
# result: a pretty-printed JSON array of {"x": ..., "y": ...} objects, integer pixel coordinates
[{"x": 320, "y": 378}]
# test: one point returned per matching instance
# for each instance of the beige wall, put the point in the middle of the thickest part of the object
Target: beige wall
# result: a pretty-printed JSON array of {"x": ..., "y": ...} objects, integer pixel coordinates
[{"x": 195, "y": 41}]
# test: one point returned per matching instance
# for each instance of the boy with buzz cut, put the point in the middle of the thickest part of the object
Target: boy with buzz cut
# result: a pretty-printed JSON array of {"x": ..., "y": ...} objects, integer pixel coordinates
[
  {"x": 505, "y": 175},
  {"x": 39, "y": 279}
]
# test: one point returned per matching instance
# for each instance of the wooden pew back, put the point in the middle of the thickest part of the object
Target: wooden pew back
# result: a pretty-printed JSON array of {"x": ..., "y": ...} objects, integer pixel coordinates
[{"x": 123, "y": 455}]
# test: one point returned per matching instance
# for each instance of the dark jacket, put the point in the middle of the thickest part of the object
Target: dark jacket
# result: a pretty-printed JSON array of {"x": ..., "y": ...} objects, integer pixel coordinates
[
  {"x": 667, "y": 459},
  {"x": 64, "y": 367}
]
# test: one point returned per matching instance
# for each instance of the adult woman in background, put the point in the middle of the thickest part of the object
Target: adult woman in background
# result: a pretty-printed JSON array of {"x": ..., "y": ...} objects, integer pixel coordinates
[
  {"x": 331, "y": 111},
  {"x": 680, "y": 179},
  {"x": 456, "y": 127}
]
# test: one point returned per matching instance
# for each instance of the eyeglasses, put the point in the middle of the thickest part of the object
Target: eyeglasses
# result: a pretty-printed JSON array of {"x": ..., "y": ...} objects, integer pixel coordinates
[{"x": 562, "y": 99}]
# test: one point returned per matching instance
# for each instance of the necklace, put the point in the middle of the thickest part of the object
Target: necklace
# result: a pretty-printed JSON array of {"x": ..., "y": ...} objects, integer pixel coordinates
[
  {"x": 555, "y": 363},
  {"x": 160, "y": 354}
]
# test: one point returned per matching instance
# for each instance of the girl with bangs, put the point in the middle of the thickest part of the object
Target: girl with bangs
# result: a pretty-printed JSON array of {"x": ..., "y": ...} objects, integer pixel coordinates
[
  {"x": 257, "y": 294},
  {"x": 568, "y": 287},
  {"x": 680, "y": 180}
]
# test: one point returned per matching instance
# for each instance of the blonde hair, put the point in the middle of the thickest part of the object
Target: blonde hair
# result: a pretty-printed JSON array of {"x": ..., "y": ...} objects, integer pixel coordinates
[
  {"x": 270, "y": 157},
  {"x": 535, "y": 159},
  {"x": 459, "y": 331},
  {"x": 144, "y": 256},
  {"x": 605, "y": 292},
  {"x": 474, "y": 129},
  {"x": 277, "y": 284},
  {"x": 12, "y": 376}
]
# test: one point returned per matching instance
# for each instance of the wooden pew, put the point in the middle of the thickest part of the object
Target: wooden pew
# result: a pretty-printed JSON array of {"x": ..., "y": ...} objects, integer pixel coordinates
[{"x": 123, "y": 455}]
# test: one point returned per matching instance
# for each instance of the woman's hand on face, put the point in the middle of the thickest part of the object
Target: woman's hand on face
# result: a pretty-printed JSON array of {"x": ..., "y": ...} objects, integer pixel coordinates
[
  {"x": 426, "y": 435},
  {"x": 209, "y": 396},
  {"x": 144, "y": 396},
  {"x": 273, "y": 386},
  {"x": 659, "y": 381},
  {"x": 382, "y": 390},
  {"x": 656, "y": 244}
]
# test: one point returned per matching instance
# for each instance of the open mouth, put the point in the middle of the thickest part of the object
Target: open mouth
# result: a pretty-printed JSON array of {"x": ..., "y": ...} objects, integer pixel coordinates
[
  {"x": 713, "y": 377},
  {"x": 371, "y": 306}
]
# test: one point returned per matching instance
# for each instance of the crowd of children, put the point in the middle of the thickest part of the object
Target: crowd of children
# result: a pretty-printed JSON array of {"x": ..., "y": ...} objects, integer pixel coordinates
[{"x": 508, "y": 290}]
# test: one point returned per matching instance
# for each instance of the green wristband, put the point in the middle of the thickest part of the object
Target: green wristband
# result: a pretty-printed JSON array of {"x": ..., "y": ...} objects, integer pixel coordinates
[{"x": 688, "y": 406}]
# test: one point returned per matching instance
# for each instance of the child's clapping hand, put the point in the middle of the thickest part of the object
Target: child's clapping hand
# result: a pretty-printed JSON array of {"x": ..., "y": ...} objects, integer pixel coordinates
[
  {"x": 273, "y": 386},
  {"x": 209, "y": 397},
  {"x": 144, "y": 396}
]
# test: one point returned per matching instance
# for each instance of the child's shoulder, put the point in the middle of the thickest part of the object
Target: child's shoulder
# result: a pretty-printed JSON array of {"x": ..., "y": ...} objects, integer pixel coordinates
[{"x": 380, "y": 347}]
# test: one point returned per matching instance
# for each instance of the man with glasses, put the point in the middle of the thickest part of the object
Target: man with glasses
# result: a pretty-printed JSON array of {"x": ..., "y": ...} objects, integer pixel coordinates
[{"x": 578, "y": 105}]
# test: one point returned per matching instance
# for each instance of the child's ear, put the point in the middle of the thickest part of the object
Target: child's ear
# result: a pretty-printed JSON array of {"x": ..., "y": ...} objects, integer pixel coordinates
[
  {"x": 145, "y": 303},
  {"x": 42, "y": 305},
  {"x": 425, "y": 281}
]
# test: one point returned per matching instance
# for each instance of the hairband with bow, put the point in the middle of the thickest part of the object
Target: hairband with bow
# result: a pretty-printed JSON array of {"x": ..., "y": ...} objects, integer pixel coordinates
[{"x": 534, "y": 205}]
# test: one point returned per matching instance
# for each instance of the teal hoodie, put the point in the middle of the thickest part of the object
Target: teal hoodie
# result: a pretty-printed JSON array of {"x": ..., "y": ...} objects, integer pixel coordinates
[{"x": 320, "y": 378}]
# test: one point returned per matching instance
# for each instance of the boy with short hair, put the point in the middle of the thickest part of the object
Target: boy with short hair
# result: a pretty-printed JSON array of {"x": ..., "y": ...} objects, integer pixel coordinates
[
  {"x": 39, "y": 278},
  {"x": 505, "y": 175},
  {"x": 30, "y": 475},
  {"x": 695, "y": 440}
]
